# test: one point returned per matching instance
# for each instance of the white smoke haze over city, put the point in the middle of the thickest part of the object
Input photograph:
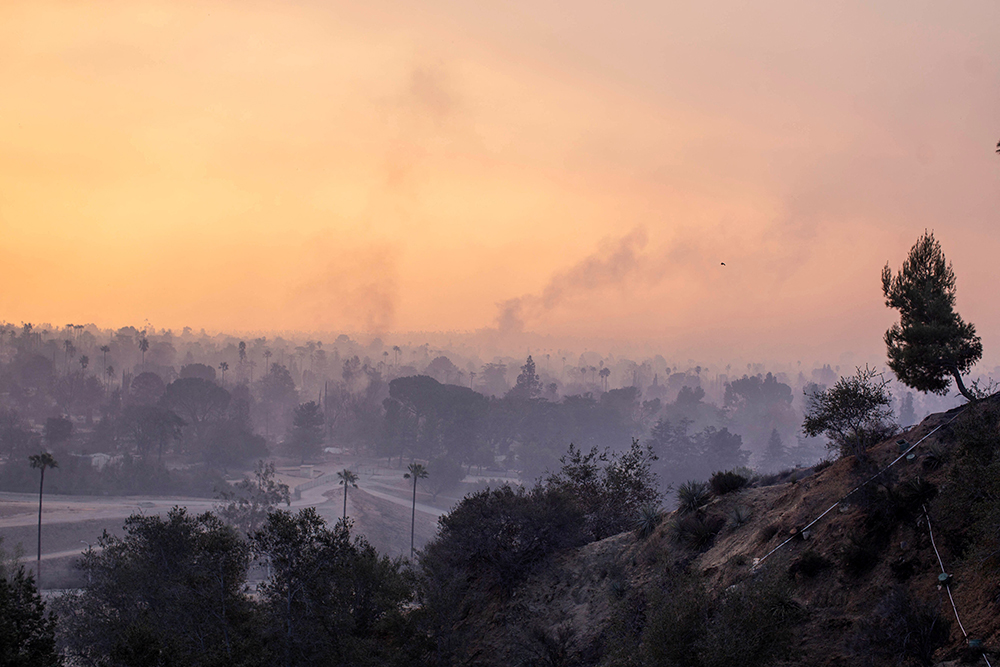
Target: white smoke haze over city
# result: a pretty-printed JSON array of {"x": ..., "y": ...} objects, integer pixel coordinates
[
  {"x": 380, "y": 321},
  {"x": 445, "y": 168}
]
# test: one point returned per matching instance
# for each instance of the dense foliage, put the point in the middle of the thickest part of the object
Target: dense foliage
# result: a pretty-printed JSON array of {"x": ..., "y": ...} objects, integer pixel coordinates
[
  {"x": 175, "y": 591},
  {"x": 931, "y": 344},
  {"x": 27, "y": 630},
  {"x": 496, "y": 538}
]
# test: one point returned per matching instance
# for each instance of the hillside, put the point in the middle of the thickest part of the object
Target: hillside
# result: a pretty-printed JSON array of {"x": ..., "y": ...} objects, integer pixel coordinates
[{"x": 860, "y": 586}]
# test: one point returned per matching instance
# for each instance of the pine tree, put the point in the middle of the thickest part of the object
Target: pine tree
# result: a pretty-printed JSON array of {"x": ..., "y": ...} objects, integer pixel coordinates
[
  {"x": 930, "y": 344},
  {"x": 776, "y": 454},
  {"x": 528, "y": 384}
]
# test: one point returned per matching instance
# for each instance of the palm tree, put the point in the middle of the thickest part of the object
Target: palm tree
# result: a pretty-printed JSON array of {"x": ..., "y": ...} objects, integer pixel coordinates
[
  {"x": 223, "y": 366},
  {"x": 143, "y": 346},
  {"x": 243, "y": 356},
  {"x": 110, "y": 372},
  {"x": 84, "y": 362},
  {"x": 267, "y": 361},
  {"x": 417, "y": 471},
  {"x": 395, "y": 354},
  {"x": 347, "y": 478},
  {"x": 41, "y": 461},
  {"x": 605, "y": 372},
  {"x": 105, "y": 349}
]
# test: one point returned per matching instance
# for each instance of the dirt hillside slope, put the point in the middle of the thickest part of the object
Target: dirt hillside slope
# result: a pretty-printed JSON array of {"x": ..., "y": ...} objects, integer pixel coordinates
[{"x": 844, "y": 572}]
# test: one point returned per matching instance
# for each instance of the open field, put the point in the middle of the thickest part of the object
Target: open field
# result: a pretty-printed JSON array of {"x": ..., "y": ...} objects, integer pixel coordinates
[{"x": 380, "y": 509}]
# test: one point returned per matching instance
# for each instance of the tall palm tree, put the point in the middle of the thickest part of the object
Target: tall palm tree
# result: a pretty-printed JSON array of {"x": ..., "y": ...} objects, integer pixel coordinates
[
  {"x": 347, "y": 478},
  {"x": 417, "y": 471},
  {"x": 267, "y": 362},
  {"x": 223, "y": 366},
  {"x": 41, "y": 461},
  {"x": 143, "y": 346},
  {"x": 242, "y": 356}
]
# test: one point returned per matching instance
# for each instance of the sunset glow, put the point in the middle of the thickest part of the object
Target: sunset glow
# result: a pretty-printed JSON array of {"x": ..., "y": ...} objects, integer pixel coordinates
[{"x": 413, "y": 166}]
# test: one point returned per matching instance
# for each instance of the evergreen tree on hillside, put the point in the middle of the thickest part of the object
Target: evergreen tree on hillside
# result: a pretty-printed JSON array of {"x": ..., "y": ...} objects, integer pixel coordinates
[{"x": 930, "y": 344}]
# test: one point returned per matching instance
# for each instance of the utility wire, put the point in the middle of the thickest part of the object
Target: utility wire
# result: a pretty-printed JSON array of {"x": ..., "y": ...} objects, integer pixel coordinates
[
  {"x": 947, "y": 584},
  {"x": 760, "y": 560}
]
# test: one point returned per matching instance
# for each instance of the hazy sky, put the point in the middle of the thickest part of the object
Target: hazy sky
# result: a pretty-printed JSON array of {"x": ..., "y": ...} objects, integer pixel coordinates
[{"x": 575, "y": 168}]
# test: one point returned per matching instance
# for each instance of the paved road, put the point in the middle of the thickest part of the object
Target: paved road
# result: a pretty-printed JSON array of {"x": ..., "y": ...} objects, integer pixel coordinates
[{"x": 371, "y": 489}]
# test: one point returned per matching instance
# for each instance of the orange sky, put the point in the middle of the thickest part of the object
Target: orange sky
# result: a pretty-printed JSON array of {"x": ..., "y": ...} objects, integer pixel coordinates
[{"x": 413, "y": 165}]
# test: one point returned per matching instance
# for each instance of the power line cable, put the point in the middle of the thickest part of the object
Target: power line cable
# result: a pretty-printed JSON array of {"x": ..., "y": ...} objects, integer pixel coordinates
[
  {"x": 758, "y": 561},
  {"x": 947, "y": 582}
]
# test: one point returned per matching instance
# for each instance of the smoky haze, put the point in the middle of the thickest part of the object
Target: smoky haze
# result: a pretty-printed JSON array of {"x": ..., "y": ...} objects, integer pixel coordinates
[
  {"x": 410, "y": 168},
  {"x": 373, "y": 315}
]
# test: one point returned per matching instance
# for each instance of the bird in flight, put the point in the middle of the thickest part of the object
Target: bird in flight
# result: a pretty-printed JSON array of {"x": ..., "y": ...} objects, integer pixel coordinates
[{"x": 723, "y": 263}]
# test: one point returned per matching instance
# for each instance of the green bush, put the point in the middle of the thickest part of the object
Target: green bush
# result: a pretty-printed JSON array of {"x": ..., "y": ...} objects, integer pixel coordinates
[
  {"x": 855, "y": 414},
  {"x": 809, "y": 565},
  {"x": 608, "y": 488},
  {"x": 911, "y": 496},
  {"x": 27, "y": 631},
  {"x": 496, "y": 537},
  {"x": 739, "y": 516},
  {"x": 727, "y": 482},
  {"x": 936, "y": 456},
  {"x": 647, "y": 521},
  {"x": 692, "y": 495},
  {"x": 899, "y": 629},
  {"x": 978, "y": 431},
  {"x": 699, "y": 530},
  {"x": 748, "y": 625},
  {"x": 862, "y": 551}
]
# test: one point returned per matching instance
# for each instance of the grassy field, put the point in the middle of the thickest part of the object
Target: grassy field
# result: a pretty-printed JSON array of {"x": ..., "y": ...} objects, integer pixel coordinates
[{"x": 58, "y": 537}]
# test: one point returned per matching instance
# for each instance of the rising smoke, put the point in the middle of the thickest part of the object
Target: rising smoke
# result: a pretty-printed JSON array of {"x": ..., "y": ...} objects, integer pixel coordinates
[{"x": 612, "y": 265}]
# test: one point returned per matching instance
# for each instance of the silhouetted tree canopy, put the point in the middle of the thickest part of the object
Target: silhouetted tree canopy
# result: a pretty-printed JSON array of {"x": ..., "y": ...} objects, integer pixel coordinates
[
  {"x": 306, "y": 437},
  {"x": 146, "y": 389},
  {"x": 196, "y": 400},
  {"x": 855, "y": 414},
  {"x": 930, "y": 344},
  {"x": 169, "y": 591},
  {"x": 27, "y": 631},
  {"x": 202, "y": 371}
]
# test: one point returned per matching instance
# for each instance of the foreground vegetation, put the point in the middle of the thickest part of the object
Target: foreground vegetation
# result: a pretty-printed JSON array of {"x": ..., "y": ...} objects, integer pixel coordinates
[{"x": 285, "y": 588}]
